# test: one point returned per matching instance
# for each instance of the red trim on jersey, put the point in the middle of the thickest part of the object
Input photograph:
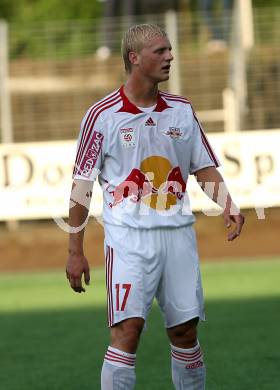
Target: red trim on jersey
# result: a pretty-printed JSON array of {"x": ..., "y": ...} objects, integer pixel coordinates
[
  {"x": 171, "y": 95},
  {"x": 161, "y": 104},
  {"x": 99, "y": 104},
  {"x": 128, "y": 106},
  {"x": 206, "y": 143},
  {"x": 93, "y": 115},
  {"x": 177, "y": 100},
  {"x": 208, "y": 148},
  {"x": 91, "y": 112},
  {"x": 84, "y": 142}
]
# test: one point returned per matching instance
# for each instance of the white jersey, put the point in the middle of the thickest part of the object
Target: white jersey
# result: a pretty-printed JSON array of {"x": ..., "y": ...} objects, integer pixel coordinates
[{"x": 143, "y": 158}]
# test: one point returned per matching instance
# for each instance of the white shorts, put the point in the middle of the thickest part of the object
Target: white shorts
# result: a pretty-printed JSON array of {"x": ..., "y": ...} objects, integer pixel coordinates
[{"x": 145, "y": 263}]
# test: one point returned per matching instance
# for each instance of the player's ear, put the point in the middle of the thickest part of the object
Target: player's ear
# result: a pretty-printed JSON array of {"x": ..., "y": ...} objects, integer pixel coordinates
[{"x": 133, "y": 57}]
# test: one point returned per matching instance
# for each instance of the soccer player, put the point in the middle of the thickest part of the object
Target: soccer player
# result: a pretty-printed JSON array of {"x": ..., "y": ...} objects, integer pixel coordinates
[{"x": 143, "y": 143}]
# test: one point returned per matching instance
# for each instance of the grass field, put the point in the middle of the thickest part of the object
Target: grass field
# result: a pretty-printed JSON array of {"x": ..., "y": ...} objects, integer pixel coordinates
[{"x": 54, "y": 339}]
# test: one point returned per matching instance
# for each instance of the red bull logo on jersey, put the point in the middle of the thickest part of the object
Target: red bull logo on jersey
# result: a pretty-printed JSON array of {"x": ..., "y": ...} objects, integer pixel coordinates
[
  {"x": 136, "y": 186},
  {"x": 174, "y": 133},
  {"x": 91, "y": 155},
  {"x": 156, "y": 183}
]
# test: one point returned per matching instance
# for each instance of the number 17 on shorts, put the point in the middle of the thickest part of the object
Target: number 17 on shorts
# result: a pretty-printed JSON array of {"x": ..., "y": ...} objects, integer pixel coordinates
[{"x": 120, "y": 289}]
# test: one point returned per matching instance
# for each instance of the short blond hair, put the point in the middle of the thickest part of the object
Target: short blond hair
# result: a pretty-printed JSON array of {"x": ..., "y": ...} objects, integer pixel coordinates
[{"x": 135, "y": 37}]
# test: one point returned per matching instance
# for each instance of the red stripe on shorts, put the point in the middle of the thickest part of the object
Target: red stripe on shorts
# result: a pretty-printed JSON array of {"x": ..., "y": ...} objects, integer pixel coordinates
[{"x": 111, "y": 289}]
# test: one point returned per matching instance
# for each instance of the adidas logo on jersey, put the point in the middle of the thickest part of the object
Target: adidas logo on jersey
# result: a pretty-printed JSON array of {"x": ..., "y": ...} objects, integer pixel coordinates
[{"x": 150, "y": 122}]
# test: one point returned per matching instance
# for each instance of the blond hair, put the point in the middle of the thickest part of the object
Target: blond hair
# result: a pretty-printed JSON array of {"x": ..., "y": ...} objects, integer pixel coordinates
[{"x": 134, "y": 40}]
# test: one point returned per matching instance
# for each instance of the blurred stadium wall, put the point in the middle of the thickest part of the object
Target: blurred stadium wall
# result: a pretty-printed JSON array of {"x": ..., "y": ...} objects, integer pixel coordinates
[{"x": 51, "y": 72}]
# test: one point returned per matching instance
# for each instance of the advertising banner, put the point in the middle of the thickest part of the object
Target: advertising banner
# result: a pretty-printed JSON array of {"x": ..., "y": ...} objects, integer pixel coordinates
[{"x": 36, "y": 178}]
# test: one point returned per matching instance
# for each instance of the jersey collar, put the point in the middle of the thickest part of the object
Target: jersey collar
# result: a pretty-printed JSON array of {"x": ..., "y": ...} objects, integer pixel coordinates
[{"x": 128, "y": 106}]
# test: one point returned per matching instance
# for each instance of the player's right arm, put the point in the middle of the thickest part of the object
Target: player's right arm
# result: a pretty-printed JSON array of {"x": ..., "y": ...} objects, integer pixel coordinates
[
  {"x": 204, "y": 165},
  {"x": 87, "y": 166},
  {"x": 77, "y": 264}
]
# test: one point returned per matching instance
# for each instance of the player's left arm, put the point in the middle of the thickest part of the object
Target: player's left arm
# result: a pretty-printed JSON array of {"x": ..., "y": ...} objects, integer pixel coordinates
[{"x": 212, "y": 183}]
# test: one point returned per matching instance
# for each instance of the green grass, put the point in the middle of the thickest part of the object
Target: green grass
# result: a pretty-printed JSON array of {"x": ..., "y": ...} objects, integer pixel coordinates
[{"x": 52, "y": 338}]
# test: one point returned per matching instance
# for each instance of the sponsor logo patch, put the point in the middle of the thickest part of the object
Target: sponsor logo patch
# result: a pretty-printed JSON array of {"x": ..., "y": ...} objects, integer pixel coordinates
[
  {"x": 174, "y": 133},
  {"x": 92, "y": 153},
  {"x": 127, "y": 136},
  {"x": 150, "y": 122}
]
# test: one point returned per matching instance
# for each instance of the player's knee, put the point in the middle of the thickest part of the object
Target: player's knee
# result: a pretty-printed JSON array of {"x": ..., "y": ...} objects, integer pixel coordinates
[
  {"x": 126, "y": 334},
  {"x": 184, "y": 335}
]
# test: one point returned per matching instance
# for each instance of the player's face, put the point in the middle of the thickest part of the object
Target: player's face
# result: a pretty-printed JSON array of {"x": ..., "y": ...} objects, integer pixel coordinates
[{"x": 154, "y": 60}]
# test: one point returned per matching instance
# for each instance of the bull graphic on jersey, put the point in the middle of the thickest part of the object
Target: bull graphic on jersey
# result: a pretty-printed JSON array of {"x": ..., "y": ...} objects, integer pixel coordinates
[
  {"x": 156, "y": 183},
  {"x": 135, "y": 186}
]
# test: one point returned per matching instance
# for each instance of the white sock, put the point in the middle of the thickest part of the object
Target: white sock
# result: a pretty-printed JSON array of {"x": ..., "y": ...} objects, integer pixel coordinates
[
  {"x": 118, "y": 370},
  {"x": 188, "y": 370}
]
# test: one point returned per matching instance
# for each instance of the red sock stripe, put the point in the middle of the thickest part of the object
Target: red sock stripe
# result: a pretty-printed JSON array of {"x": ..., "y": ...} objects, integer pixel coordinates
[
  {"x": 188, "y": 359},
  {"x": 115, "y": 355},
  {"x": 117, "y": 360},
  {"x": 88, "y": 126},
  {"x": 187, "y": 354}
]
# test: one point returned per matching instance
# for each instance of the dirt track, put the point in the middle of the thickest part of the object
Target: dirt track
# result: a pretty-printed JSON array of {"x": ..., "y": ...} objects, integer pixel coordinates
[{"x": 42, "y": 245}]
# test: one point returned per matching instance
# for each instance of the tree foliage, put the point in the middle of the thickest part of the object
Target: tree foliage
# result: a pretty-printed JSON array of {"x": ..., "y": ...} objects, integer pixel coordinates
[
  {"x": 266, "y": 3},
  {"x": 25, "y": 11}
]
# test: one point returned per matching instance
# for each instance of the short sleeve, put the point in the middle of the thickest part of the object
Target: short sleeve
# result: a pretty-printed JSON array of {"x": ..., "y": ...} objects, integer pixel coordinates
[
  {"x": 90, "y": 145},
  {"x": 202, "y": 154}
]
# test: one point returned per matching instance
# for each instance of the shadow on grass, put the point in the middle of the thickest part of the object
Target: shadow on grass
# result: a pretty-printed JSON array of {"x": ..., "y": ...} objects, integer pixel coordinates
[{"x": 57, "y": 350}]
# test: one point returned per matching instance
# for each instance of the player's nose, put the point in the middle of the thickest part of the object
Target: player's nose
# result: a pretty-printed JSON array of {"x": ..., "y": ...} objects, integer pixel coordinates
[{"x": 169, "y": 56}]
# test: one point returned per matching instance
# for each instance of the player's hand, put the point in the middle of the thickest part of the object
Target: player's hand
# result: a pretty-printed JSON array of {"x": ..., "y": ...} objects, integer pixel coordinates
[
  {"x": 76, "y": 267},
  {"x": 237, "y": 219}
]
